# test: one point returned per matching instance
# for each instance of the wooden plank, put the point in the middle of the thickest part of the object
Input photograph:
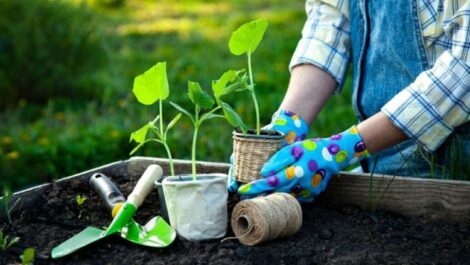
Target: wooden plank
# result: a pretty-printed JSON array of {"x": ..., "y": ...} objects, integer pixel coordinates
[{"x": 430, "y": 198}]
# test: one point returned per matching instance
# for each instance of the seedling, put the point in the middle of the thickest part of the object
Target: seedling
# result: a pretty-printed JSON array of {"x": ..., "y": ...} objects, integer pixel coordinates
[
  {"x": 245, "y": 40},
  {"x": 27, "y": 258},
  {"x": 230, "y": 81},
  {"x": 202, "y": 101},
  {"x": 6, "y": 205},
  {"x": 150, "y": 87},
  {"x": 80, "y": 200},
  {"x": 5, "y": 242}
]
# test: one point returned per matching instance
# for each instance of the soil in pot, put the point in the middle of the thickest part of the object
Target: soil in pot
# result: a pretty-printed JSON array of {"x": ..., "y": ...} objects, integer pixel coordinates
[{"x": 344, "y": 235}]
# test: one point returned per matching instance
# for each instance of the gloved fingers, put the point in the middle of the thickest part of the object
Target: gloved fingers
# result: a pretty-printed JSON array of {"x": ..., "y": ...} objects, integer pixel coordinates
[
  {"x": 232, "y": 184},
  {"x": 282, "y": 159},
  {"x": 291, "y": 187},
  {"x": 269, "y": 184}
]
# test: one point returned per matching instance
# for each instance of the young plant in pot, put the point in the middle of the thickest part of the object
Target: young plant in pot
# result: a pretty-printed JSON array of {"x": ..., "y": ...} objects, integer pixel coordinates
[
  {"x": 197, "y": 203},
  {"x": 252, "y": 148},
  {"x": 150, "y": 87}
]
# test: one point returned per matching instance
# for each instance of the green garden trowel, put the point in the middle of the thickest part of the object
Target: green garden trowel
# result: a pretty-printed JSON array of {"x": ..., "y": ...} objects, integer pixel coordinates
[
  {"x": 146, "y": 235},
  {"x": 123, "y": 223}
]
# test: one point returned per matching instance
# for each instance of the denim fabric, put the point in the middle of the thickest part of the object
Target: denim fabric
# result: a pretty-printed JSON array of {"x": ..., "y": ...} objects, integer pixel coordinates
[{"x": 387, "y": 59}]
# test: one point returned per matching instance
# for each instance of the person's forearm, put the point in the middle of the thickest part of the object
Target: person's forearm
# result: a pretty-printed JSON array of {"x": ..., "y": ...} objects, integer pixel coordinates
[
  {"x": 309, "y": 89},
  {"x": 379, "y": 133}
]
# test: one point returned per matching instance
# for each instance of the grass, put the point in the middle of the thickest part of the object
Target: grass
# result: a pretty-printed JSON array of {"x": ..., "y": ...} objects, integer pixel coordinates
[{"x": 40, "y": 143}]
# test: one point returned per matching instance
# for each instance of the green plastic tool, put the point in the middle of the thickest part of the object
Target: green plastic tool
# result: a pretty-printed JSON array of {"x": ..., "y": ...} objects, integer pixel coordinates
[
  {"x": 91, "y": 234},
  {"x": 155, "y": 233}
]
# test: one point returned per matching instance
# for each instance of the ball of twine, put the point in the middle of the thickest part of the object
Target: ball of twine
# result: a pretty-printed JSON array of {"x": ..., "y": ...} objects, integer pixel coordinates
[{"x": 263, "y": 219}]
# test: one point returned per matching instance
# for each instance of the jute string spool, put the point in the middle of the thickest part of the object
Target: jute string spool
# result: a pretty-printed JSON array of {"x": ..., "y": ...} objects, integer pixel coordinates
[
  {"x": 263, "y": 219},
  {"x": 250, "y": 153}
]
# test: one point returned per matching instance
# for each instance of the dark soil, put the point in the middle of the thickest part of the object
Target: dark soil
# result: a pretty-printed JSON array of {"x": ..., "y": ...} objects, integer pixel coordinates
[
  {"x": 344, "y": 235},
  {"x": 252, "y": 132}
]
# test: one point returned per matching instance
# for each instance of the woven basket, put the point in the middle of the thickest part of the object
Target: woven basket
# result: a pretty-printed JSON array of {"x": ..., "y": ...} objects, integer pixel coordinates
[{"x": 250, "y": 152}]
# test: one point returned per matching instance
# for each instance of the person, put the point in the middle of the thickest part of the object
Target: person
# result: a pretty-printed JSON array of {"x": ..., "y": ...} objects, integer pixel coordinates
[{"x": 411, "y": 93}]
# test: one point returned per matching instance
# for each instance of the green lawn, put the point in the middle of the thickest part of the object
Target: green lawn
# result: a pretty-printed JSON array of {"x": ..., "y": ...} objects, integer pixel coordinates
[{"x": 42, "y": 142}]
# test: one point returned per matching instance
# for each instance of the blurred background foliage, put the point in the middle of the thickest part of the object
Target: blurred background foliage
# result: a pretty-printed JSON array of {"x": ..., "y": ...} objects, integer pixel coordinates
[{"x": 67, "y": 67}]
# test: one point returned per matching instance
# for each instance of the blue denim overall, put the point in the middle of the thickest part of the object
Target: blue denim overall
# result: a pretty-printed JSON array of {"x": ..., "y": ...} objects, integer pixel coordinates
[{"x": 388, "y": 54}]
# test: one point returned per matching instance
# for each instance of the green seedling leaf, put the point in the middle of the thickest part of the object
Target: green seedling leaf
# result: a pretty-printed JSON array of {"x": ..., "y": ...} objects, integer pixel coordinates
[
  {"x": 5, "y": 243},
  {"x": 219, "y": 87},
  {"x": 241, "y": 82},
  {"x": 247, "y": 37},
  {"x": 233, "y": 117},
  {"x": 173, "y": 122},
  {"x": 152, "y": 85},
  {"x": 80, "y": 200},
  {"x": 209, "y": 116},
  {"x": 198, "y": 96},
  {"x": 140, "y": 135},
  {"x": 28, "y": 256},
  {"x": 185, "y": 112}
]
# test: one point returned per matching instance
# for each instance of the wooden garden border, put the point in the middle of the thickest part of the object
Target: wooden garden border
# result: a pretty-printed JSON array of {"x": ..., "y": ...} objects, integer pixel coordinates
[{"x": 430, "y": 198}]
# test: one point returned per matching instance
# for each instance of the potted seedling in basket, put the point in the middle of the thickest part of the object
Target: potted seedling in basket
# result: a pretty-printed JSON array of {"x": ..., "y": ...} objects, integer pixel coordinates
[
  {"x": 251, "y": 148},
  {"x": 197, "y": 203},
  {"x": 150, "y": 87}
]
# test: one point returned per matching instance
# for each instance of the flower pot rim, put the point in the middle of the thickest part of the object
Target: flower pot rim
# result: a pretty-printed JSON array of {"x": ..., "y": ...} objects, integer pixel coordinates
[
  {"x": 279, "y": 135},
  {"x": 176, "y": 180}
]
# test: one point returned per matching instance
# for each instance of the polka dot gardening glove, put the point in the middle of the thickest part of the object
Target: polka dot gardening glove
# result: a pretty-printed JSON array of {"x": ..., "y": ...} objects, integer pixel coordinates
[
  {"x": 291, "y": 125},
  {"x": 304, "y": 168}
]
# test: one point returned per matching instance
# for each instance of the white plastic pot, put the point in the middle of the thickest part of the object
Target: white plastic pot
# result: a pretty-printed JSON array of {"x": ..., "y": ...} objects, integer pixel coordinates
[{"x": 197, "y": 209}]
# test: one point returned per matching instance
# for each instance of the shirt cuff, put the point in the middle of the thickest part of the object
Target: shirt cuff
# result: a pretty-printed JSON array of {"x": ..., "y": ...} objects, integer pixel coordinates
[
  {"x": 322, "y": 55},
  {"x": 435, "y": 103}
]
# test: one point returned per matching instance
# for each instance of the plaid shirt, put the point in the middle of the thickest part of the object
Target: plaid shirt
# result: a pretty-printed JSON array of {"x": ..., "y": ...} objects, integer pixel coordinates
[{"x": 439, "y": 99}]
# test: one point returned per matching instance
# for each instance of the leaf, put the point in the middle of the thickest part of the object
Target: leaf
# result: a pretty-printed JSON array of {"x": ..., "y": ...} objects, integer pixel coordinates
[
  {"x": 233, "y": 117},
  {"x": 28, "y": 256},
  {"x": 241, "y": 81},
  {"x": 247, "y": 37},
  {"x": 140, "y": 135},
  {"x": 152, "y": 85},
  {"x": 173, "y": 122},
  {"x": 209, "y": 116},
  {"x": 178, "y": 107},
  {"x": 219, "y": 87},
  {"x": 13, "y": 241},
  {"x": 80, "y": 199},
  {"x": 198, "y": 96}
]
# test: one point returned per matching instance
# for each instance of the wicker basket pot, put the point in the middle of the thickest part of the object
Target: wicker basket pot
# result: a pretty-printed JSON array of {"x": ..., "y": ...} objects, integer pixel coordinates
[{"x": 251, "y": 151}]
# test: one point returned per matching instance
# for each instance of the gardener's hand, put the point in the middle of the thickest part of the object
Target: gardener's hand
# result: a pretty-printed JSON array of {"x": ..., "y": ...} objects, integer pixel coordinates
[
  {"x": 291, "y": 125},
  {"x": 305, "y": 168}
]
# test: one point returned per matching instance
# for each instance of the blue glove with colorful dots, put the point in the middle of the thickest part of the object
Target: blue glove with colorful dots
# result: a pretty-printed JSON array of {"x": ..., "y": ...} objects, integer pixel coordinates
[
  {"x": 291, "y": 125},
  {"x": 304, "y": 169}
]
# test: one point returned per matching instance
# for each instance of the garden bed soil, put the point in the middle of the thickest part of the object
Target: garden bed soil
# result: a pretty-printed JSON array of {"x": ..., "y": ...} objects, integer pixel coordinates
[{"x": 329, "y": 235}]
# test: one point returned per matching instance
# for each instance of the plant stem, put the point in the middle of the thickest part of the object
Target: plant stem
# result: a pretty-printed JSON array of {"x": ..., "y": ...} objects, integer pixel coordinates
[
  {"x": 253, "y": 95},
  {"x": 193, "y": 153},
  {"x": 161, "y": 119},
  {"x": 193, "y": 149},
  {"x": 170, "y": 158}
]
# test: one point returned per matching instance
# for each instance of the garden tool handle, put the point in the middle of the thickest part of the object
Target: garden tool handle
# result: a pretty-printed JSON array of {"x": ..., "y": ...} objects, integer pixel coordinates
[
  {"x": 108, "y": 192},
  {"x": 145, "y": 185}
]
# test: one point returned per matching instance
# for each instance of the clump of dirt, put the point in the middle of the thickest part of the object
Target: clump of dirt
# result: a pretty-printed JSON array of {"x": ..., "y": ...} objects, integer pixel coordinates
[{"x": 344, "y": 235}]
